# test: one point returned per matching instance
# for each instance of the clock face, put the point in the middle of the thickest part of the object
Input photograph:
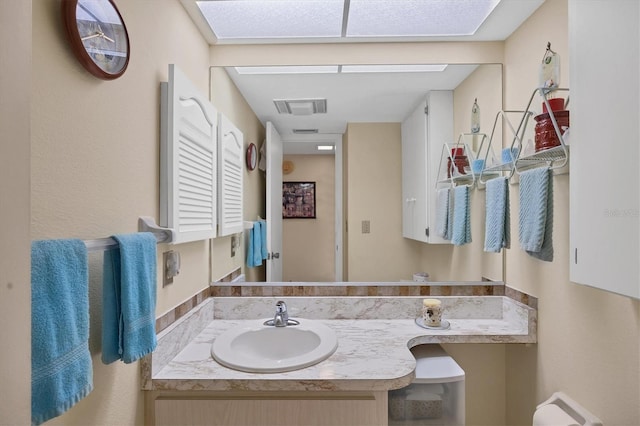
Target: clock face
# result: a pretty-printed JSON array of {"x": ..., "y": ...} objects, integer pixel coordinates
[
  {"x": 252, "y": 156},
  {"x": 98, "y": 36}
]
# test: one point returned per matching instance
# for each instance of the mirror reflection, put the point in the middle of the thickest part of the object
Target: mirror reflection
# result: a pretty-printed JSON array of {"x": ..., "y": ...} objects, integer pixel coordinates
[{"x": 356, "y": 114}]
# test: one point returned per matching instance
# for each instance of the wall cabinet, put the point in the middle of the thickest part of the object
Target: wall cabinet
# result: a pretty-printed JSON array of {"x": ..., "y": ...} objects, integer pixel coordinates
[
  {"x": 605, "y": 182},
  {"x": 424, "y": 132},
  {"x": 267, "y": 408}
]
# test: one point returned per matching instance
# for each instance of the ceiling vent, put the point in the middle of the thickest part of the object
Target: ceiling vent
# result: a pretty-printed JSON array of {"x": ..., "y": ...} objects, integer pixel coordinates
[
  {"x": 305, "y": 131},
  {"x": 301, "y": 106}
]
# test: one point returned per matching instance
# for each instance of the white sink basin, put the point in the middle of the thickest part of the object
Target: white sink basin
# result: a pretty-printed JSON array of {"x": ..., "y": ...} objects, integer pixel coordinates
[{"x": 258, "y": 348}]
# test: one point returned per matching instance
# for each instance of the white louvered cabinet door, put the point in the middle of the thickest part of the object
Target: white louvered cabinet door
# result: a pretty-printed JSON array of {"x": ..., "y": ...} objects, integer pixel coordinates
[
  {"x": 230, "y": 176},
  {"x": 188, "y": 160}
]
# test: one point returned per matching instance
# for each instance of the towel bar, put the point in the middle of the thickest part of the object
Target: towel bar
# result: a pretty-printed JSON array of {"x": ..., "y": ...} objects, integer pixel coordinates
[{"x": 145, "y": 224}]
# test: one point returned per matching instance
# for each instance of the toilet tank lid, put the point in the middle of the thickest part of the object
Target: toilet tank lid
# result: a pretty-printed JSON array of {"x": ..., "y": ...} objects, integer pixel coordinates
[{"x": 434, "y": 365}]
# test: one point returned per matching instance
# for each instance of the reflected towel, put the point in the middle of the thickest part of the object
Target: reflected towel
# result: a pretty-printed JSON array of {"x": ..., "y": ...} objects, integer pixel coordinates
[
  {"x": 254, "y": 248},
  {"x": 263, "y": 239},
  {"x": 536, "y": 213},
  {"x": 497, "y": 221},
  {"x": 61, "y": 371},
  {"x": 129, "y": 298},
  {"x": 442, "y": 213},
  {"x": 450, "y": 211},
  {"x": 461, "y": 216}
]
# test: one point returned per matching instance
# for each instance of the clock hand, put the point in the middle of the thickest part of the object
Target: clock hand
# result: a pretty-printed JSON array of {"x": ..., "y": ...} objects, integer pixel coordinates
[
  {"x": 107, "y": 38},
  {"x": 90, "y": 37},
  {"x": 103, "y": 35}
]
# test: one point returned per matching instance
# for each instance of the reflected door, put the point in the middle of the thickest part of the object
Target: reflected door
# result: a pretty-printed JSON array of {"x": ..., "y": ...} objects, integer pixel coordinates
[{"x": 274, "y": 203}]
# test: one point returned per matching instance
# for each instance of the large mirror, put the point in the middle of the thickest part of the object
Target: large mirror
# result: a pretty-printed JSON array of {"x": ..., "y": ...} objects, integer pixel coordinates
[{"x": 358, "y": 110}]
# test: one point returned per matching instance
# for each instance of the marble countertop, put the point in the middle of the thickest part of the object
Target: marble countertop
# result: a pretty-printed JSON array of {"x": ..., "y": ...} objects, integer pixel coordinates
[{"x": 374, "y": 338}]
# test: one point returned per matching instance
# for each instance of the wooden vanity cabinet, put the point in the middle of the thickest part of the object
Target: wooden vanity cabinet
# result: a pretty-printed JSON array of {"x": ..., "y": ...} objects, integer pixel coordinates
[{"x": 232, "y": 408}]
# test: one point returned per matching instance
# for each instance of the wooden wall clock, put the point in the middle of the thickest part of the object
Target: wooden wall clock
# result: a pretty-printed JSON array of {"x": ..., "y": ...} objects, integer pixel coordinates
[
  {"x": 98, "y": 36},
  {"x": 252, "y": 156}
]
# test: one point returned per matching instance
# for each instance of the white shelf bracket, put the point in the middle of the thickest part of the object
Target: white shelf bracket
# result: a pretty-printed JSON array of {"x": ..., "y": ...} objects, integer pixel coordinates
[{"x": 163, "y": 235}]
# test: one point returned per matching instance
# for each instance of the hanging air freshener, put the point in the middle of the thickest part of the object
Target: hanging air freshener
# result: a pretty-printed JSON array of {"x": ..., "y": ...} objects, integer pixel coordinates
[
  {"x": 475, "y": 117},
  {"x": 549, "y": 77}
]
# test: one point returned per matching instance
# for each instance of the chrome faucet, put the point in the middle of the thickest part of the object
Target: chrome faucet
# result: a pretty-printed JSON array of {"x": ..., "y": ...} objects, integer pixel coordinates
[{"x": 281, "y": 318}]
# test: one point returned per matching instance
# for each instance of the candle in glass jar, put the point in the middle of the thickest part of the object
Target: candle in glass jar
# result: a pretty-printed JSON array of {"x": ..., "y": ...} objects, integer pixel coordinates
[
  {"x": 432, "y": 312},
  {"x": 431, "y": 302}
]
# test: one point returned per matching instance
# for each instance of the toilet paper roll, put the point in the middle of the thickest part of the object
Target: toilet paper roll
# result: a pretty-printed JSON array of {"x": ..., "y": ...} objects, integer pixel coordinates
[{"x": 552, "y": 415}]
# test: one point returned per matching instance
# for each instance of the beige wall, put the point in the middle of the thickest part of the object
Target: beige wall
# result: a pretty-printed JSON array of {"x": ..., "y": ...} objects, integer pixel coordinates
[
  {"x": 470, "y": 262},
  {"x": 94, "y": 166},
  {"x": 15, "y": 295},
  {"x": 94, "y": 171},
  {"x": 374, "y": 188},
  {"x": 588, "y": 339},
  {"x": 228, "y": 100},
  {"x": 308, "y": 245}
]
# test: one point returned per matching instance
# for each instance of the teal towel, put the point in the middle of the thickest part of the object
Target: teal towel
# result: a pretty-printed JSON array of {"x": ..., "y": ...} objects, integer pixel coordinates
[
  {"x": 129, "y": 298},
  {"x": 449, "y": 233},
  {"x": 461, "y": 216},
  {"x": 497, "y": 221},
  {"x": 254, "y": 250},
  {"x": 536, "y": 213},
  {"x": 263, "y": 238},
  {"x": 61, "y": 370},
  {"x": 250, "y": 261},
  {"x": 442, "y": 213}
]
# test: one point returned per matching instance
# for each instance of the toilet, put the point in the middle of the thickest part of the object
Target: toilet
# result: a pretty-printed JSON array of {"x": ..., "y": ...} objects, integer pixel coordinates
[{"x": 560, "y": 410}]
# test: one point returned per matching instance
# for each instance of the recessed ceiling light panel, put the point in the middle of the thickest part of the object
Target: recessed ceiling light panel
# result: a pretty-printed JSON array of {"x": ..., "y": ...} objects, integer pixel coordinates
[
  {"x": 417, "y": 18},
  {"x": 393, "y": 68},
  {"x": 324, "y": 147},
  {"x": 289, "y": 69},
  {"x": 256, "y": 19}
]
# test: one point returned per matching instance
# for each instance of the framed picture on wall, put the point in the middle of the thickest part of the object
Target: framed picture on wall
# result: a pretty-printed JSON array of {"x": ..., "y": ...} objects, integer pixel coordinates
[{"x": 298, "y": 200}]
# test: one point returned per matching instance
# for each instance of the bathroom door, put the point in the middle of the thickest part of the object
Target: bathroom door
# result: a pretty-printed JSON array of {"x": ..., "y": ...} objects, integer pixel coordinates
[{"x": 274, "y": 152}]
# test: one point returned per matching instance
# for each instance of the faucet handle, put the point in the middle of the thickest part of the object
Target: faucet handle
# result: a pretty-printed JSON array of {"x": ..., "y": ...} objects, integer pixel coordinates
[{"x": 281, "y": 307}]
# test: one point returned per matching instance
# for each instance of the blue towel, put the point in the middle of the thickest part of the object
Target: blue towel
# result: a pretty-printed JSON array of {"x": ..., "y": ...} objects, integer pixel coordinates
[
  {"x": 254, "y": 250},
  {"x": 61, "y": 370},
  {"x": 536, "y": 213},
  {"x": 129, "y": 298},
  {"x": 461, "y": 216},
  {"x": 250, "y": 262},
  {"x": 497, "y": 222},
  {"x": 442, "y": 213},
  {"x": 449, "y": 234},
  {"x": 263, "y": 239}
]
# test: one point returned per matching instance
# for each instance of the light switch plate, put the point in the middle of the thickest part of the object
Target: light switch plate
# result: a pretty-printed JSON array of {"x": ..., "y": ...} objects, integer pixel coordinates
[{"x": 366, "y": 226}]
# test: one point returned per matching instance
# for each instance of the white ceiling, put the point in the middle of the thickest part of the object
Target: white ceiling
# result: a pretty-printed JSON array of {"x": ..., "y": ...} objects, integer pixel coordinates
[
  {"x": 352, "y": 97},
  {"x": 501, "y": 22},
  {"x": 358, "y": 97}
]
